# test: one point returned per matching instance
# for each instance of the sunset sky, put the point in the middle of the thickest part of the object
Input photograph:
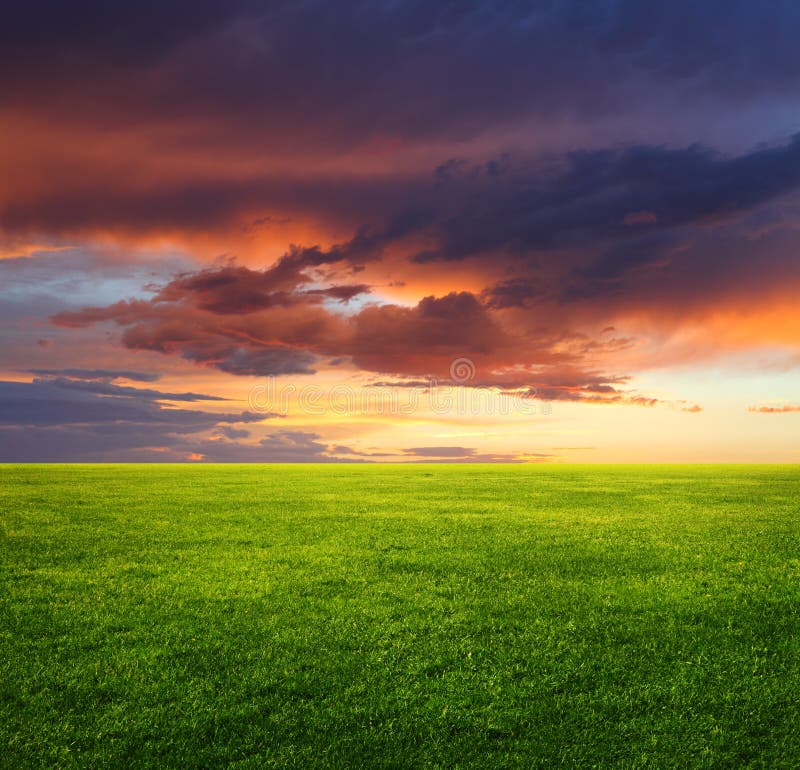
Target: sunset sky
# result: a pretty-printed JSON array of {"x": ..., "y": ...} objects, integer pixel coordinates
[{"x": 552, "y": 231}]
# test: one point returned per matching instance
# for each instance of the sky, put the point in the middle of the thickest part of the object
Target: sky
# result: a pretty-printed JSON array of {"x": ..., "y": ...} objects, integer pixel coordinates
[{"x": 400, "y": 231}]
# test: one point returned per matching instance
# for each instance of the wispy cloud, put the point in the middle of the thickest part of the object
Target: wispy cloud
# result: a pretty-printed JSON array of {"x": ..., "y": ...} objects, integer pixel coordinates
[{"x": 779, "y": 409}]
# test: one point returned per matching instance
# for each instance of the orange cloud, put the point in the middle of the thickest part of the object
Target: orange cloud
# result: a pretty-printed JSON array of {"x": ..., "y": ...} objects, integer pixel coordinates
[{"x": 782, "y": 409}]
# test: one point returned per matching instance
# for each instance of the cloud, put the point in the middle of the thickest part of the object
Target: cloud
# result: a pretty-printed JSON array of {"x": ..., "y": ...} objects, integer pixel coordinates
[
  {"x": 418, "y": 341},
  {"x": 232, "y": 433},
  {"x": 97, "y": 374},
  {"x": 104, "y": 388},
  {"x": 237, "y": 289},
  {"x": 287, "y": 446},
  {"x": 548, "y": 235},
  {"x": 780, "y": 409},
  {"x": 514, "y": 292},
  {"x": 266, "y": 362},
  {"x": 459, "y": 454},
  {"x": 535, "y": 332},
  {"x": 221, "y": 124},
  {"x": 440, "y": 451},
  {"x": 55, "y": 420},
  {"x": 64, "y": 402},
  {"x": 586, "y": 197},
  {"x": 91, "y": 33},
  {"x": 527, "y": 174},
  {"x": 127, "y": 443},
  {"x": 464, "y": 67},
  {"x": 640, "y": 218}
]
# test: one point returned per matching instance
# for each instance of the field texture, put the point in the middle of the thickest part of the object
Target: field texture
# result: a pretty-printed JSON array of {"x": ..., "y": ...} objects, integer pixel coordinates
[{"x": 386, "y": 616}]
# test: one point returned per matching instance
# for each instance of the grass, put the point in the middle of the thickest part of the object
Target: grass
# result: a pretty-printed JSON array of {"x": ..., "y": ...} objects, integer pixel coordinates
[{"x": 399, "y": 616}]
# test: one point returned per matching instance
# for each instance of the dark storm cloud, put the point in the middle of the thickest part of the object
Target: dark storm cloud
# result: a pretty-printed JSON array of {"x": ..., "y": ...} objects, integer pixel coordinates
[
  {"x": 247, "y": 79},
  {"x": 600, "y": 195},
  {"x": 103, "y": 197},
  {"x": 606, "y": 274},
  {"x": 336, "y": 68},
  {"x": 38, "y": 34},
  {"x": 243, "y": 80}
]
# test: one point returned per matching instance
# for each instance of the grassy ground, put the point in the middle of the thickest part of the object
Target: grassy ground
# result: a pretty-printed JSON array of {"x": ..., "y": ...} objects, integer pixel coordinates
[{"x": 385, "y": 616}]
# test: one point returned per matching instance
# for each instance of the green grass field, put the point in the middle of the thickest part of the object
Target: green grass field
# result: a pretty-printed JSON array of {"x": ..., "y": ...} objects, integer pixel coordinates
[{"x": 399, "y": 616}]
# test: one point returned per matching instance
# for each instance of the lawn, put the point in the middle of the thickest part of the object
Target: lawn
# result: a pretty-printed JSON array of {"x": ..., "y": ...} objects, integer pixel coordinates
[{"x": 399, "y": 616}]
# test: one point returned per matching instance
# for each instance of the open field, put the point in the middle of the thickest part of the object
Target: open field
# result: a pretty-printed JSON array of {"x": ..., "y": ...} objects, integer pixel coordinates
[{"x": 399, "y": 616}]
